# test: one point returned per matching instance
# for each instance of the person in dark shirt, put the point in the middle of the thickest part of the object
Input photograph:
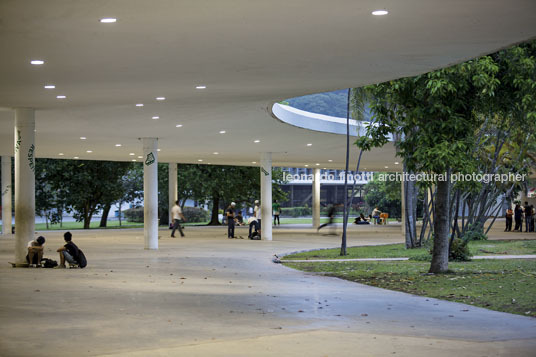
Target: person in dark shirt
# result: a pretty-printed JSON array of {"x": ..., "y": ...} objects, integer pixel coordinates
[
  {"x": 518, "y": 216},
  {"x": 528, "y": 216},
  {"x": 69, "y": 252},
  {"x": 331, "y": 214},
  {"x": 230, "y": 213}
]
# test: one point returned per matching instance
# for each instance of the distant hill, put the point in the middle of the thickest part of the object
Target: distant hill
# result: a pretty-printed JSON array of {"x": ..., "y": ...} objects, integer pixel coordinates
[{"x": 329, "y": 103}]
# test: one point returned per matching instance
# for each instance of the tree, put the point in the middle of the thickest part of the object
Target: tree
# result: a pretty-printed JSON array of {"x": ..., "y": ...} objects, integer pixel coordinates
[{"x": 436, "y": 115}]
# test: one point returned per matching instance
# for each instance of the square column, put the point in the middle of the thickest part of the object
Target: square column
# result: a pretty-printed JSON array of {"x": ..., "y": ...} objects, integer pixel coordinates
[
  {"x": 316, "y": 198},
  {"x": 266, "y": 195},
  {"x": 24, "y": 182},
  {"x": 7, "y": 216},
  {"x": 150, "y": 192},
  {"x": 173, "y": 192}
]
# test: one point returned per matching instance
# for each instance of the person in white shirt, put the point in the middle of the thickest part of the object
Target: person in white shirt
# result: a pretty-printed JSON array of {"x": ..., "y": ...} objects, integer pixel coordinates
[
  {"x": 35, "y": 252},
  {"x": 257, "y": 211},
  {"x": 176, "y": 213}
]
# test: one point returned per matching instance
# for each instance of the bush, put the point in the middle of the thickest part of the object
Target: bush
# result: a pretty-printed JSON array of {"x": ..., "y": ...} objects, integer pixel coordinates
[
  {"x": 195, "y": 214},
  {"x": 474, "y": 232},
  {"x": 134, "y": 214},
  {"x": 296, "y": 211},
  {"x": 459, "y": 251}
]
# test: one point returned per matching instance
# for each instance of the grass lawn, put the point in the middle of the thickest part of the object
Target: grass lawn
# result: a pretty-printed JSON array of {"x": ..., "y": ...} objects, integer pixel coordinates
[
  {"x": 489, "y": 247},
  {"x": 501, "y": 285}
]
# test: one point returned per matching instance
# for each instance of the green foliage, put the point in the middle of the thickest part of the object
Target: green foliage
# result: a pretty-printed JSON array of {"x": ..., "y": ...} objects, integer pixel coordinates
[
  {"x": 459, "y": 251},
  {"x": 296, "y": 211},
  {"x": 386, "y": 195},
  {"x": 474, "y": 232},
  {"x": 195, "y": 214},
  {"x": 134, "y": 214}
]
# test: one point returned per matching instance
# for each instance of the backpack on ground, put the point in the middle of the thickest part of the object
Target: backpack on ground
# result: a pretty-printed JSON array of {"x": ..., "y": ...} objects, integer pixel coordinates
[
  {"x": 48, "y": 263},
  {"x": 82, "y": 262}
]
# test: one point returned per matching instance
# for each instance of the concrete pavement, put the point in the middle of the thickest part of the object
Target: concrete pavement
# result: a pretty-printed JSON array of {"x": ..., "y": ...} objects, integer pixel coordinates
[{"x": 205, "y": 295}]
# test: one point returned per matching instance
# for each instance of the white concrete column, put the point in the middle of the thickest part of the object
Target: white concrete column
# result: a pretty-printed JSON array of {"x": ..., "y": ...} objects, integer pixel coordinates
[
  {"x": 316, "y": 198},
  {"x": 6, "y": 195},
  {"x": 24, "y": 181},
  {"x": 266, "y": 195},
  {"x": 150, "y": 192},
  {"x": 173, "y": 189}
]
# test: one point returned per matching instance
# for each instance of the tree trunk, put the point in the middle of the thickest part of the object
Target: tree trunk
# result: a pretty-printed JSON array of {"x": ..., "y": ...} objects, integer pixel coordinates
[
  {"x": 104, "y": 218},
  {"x": 120, "y": 219},
  {"x": 214, "y": 221},
  {"x": 440, "y": 255},
  {"x": 410, "y": 210}
]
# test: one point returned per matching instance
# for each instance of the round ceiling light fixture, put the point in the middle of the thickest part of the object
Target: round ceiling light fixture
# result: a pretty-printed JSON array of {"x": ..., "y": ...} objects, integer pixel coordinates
[
  {"x": 37, "y": 62},
  {"x": 201, "y": 87},
  {"x": 50, "y": 86},
  {"x": 108, "y": 20}
]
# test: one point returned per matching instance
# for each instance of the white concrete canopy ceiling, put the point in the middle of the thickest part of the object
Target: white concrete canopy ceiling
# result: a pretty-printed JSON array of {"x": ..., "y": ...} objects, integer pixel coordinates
[{"x": 249, "y": 54}]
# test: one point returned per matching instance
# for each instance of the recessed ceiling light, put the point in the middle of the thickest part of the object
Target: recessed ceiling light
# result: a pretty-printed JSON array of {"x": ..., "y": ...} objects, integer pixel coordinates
[
  {"x": 324, "y": 168},
  {"x": 61, "y": 154},
  {"x": 386, "y": 167},
  {"x": 158, "y": 150},
  {"x": 89, "y": 151},
  {"x": 317, "y": 164},
  {"x": 37, "y": 62},
  {"x": 330, "y": 160},
  {"x": 306, "y": 165},
  {"x": 200, "y": 87},
  {"x": 396, "y": 162},
  {"x": 108, "y": 20},
  {"x": 208, "y": 163},
  {"x": 178, "y": 126},
  {"x": 139, "y": 105},
  {"x": 380, "y": 12},
  {"x": 309, "y": 144},
  {"x": 83, "y": 138},
  {"x": 134, "y": 160},
  {"x": 76, "y": 157},
  {"x": 140, "y": 157},
  {"x": 160, "y": 98},
  {"x": 132, "y": 154},
  {"x": 222, "y": 131},
  {"x": 254, "y": 162},
  {"x": 200, "y": 160},
  {"x": 216, "y": 153},
  {"x": 155, "y": 117},
  {"x": 118, "y": 145},
  {"x": 256, "y": 141},
  {"x": 61, "y": 97},
  {"x": 50, "y": 86}
]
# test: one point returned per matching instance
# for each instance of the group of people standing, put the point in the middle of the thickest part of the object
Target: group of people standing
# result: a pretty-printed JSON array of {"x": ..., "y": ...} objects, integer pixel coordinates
[{"x": 517, "y": 214}]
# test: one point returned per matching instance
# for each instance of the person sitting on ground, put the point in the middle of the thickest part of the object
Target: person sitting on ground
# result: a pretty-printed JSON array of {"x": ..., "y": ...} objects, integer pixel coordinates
[
  {"x": 69, "y": 252},
  {"x": 239, "y": 219},
  {"x": 35, "y": 252},
  {"x": 361, "y": 219}
]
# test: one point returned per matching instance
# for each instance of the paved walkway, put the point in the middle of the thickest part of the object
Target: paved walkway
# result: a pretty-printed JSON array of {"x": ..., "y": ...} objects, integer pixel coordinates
[{"x": 205, "y": 295}]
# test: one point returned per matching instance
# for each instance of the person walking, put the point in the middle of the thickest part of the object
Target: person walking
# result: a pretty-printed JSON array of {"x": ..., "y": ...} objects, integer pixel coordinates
[
  {"x": 230, "y": 214},
  {"x": 331, "y": 215},
  {"x": 276, "y": 208},
  {"x": 518, "y": 216},
  {"x": 509, "y": 217},
  {"x": 176, "y": 213},
  {"x": 257, "y": 213}
]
